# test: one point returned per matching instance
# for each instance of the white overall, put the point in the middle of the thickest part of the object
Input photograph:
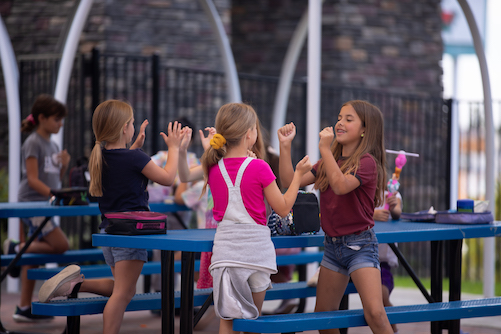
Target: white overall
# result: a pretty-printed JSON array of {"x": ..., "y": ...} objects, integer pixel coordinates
[{"x": 241, "y": 247}]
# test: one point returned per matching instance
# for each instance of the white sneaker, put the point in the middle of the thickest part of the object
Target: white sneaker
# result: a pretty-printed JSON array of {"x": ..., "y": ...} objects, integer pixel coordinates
[
  {"x": 313, "y": 279},
  {"x": 60, "y": 285}
]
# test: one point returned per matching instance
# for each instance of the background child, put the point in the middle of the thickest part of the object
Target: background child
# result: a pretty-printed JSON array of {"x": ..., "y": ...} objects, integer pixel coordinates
[
  {"x": 119, "y": 177},
  {"x": 351, "y": 180},
  {"x": 43, "y": 167},
  {"x": 239, "y": 185},
  {"x": 387, "y": 257}
]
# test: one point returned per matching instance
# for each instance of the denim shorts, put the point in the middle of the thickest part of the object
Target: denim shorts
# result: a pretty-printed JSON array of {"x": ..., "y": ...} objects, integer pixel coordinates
[
  {"x": 351, "y": 252},
  {"x": 112, "y": 255},
  {"x": 33, "y": 222}
]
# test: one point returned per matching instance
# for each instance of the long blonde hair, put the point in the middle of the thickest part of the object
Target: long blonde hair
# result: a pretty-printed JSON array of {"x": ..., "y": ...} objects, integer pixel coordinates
[
  {"x": 372, "y": 143},
  {"x": 232, "y": 122},
  {"x": 107, "y": 123}
]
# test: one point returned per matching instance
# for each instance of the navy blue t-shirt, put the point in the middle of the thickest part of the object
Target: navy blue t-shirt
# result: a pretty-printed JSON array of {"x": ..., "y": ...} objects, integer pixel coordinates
[{"x": 124, "y": 186}]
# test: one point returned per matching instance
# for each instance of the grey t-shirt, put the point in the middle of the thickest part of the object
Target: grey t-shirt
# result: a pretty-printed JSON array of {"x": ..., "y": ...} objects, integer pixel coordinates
[{"x": 45, "y": 151}]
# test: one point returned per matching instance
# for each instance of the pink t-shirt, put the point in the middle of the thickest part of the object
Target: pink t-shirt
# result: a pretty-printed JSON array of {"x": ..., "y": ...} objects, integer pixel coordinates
[{"x": 257, "y": 176}]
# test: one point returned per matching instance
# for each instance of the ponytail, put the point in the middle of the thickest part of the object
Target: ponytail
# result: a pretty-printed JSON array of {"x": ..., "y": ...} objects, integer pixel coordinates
[
  {"x": 210, "y": 158},
  {"x": 107, "y": 123},
  {"x": 95, "y": 170}
]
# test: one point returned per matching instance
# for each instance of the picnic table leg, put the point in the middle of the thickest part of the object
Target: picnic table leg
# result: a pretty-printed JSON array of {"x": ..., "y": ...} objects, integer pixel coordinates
[
  {"x": 411, "y": 272},
  {"x": 455, "y": 248},
  {"x": 167, "y": 293},
  {"x": 187, "y": 277},
  {"x": 436, "y": 279}
]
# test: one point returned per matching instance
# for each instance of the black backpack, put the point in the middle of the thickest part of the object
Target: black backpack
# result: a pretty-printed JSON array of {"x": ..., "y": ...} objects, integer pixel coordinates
[
  {"x": 80, "y": 177},
  {"x": 79, "y": 174}
]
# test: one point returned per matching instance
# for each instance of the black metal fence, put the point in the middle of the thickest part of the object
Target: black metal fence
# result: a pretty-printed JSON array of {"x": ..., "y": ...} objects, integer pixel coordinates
[{"x": 162, "y": 94}]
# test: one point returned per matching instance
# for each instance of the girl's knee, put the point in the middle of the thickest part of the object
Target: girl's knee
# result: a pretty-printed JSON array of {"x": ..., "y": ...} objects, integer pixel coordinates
[
  {"x": 376, "y": 316},
  {"x": 61, "y": 247}
]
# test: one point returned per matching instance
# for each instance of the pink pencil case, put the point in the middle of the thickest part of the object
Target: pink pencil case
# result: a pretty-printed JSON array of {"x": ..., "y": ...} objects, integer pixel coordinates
[{"x": 136, "y": 223}]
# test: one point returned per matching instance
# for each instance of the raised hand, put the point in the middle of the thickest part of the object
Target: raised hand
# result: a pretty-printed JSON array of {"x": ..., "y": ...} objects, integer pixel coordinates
[
  {"x": 206, "y": 140},
  {"x": 326, "y": 137},
  {"x": 64, "y": 158},
  {"x": 141, "y": 135},
  {"x": 185, "y": 141},
  {"x": 286, "y": 133},
  {"x": 304, "y": 166},
  {"x": 175, "y": 135}
]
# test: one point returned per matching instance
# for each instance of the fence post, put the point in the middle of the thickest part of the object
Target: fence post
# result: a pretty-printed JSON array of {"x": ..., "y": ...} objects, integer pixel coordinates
[
  {"x": 448, "y": 104},
  {"x": 155, "y": 98},
  {"x": 95, "y": 74}
]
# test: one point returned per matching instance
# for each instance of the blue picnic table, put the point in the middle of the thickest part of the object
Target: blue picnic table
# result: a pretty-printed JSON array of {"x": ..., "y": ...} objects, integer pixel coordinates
[
  {"x": 45, "y": 209},
  {"x": 192, "y": 241}
]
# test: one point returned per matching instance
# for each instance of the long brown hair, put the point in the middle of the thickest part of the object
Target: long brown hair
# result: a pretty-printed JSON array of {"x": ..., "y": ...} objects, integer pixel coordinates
[
  {"x": 372, "y": 143},
  {"x": 44, "y": 105},
  {"x": 107, "y": 123},
  {"x": 233, "y": 120}
]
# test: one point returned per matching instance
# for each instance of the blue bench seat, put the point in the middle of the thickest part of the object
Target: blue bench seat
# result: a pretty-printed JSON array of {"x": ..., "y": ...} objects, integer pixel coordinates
[
  {"x": 71, "y": 256},
  {"x": 299, "y": 322},
  {"x": 153, "y": 267},
  {"x": 151, "y": 301}
]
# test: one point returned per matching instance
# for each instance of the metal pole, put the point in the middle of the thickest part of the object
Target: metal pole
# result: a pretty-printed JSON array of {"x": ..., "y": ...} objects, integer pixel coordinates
[
  {"x": 11, "y": 79},
  {"x": 68, "y": 57},
  {"x": 490, "y": 152},
  {"x": 233, "y": 86},
  {"x": 314, "y": 77}
]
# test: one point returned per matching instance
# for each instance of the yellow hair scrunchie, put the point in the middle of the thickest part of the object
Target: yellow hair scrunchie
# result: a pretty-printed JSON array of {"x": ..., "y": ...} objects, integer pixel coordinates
[{"x": 217, "y": 141}]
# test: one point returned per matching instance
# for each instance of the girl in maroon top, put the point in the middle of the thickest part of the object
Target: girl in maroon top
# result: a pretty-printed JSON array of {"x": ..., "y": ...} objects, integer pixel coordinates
[{"x": 351, "y": 178}]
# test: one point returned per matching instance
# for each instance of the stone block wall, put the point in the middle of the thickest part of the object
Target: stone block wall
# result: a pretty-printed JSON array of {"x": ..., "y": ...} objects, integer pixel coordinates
[{"x": 393, "y": 45}]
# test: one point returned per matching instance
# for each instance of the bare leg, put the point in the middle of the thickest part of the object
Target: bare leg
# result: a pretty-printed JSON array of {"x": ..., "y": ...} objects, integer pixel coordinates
[
  {"x": 126, "y": 274},
  {"x": 330, "y": 290},
  {"x": 55, "y": 242},
  {"x": 386, "y": 302},
  {"x": 226, "y": 327},
  {"x": 100, "y": 286},
  {"x": 368, "y": 284},
  {"x": 27, "y": 287}
]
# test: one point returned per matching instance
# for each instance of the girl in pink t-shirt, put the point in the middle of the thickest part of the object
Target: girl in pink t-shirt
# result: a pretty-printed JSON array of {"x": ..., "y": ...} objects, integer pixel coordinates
[
  {"x": 243, "y": 256},
  {"x": 351, "y": 180}
]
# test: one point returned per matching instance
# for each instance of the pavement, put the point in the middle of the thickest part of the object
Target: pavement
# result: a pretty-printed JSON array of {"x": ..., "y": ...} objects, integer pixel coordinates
[{"x": 144, "y": 322}]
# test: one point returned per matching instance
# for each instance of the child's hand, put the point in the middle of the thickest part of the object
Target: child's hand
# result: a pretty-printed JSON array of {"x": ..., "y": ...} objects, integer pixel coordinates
[
  {"x": 286, "y": 133},
  {"x": 381, "y": 215},
  {"x": 141, "y": 135},
  {"x": 326, "y": 137},
  {"x": 251, "y": 154},
  {"x": 64, "y": 158},
  {"x": 392, "y": 201},
  {"x": 304, "y": 166},
  {"x": 186, "y": 139},
  {"x": 175, "y": 135},
  {"x": 206, "y": 140}
]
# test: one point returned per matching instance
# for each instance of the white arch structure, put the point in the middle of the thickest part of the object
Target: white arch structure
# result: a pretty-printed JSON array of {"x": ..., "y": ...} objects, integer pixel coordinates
[
  {"x": 490, "y": 152},
  {"x": 11, "y": 80},
  {"x": 312, "y": 19}
]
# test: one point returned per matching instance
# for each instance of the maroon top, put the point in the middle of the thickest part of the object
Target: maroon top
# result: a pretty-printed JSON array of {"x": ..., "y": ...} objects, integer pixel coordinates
[{"x": 353, "y": 212}]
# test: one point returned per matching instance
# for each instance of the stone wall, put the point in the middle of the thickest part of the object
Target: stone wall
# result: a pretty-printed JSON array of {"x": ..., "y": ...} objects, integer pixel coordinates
[{"x": 393, "y": 45}]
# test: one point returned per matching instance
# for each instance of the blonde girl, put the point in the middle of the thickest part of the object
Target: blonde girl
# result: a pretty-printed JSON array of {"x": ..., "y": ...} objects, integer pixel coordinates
[
  {"x": 351, "y": 179},
  {"x": 239, "y": 186},
  {"x": 119, "y": 177}
]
